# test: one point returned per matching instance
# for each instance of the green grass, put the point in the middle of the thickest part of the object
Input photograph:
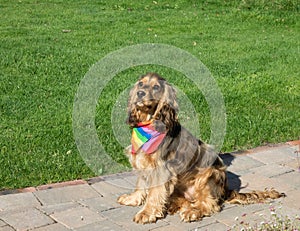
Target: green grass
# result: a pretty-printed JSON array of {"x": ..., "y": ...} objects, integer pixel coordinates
[{"x": 46, "y": 47}]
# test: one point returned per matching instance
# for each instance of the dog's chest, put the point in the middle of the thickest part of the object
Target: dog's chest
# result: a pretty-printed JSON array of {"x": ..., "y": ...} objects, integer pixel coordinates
[{"x": 142, "y": 161}]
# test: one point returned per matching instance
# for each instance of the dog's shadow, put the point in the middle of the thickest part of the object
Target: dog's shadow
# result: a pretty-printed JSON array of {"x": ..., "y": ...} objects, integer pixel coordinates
[{"x": 234, "y": 181}]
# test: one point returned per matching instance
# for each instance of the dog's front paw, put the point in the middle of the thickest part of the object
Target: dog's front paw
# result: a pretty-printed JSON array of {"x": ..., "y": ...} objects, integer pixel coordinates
[
  {"x": 144, "y": 217},
  {"x": 129, "y": 200},
  {"x": 190, "y": 215}
]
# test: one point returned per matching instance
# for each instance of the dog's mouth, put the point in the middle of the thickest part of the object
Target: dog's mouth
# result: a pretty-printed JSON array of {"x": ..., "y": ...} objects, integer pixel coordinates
[
  {"x": 147, "y": 106},
  {"x": 146, "y": 109}
]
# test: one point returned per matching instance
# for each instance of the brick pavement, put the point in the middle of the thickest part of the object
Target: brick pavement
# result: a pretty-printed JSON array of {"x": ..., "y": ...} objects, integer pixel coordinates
[{"x": 91, "y": 205}]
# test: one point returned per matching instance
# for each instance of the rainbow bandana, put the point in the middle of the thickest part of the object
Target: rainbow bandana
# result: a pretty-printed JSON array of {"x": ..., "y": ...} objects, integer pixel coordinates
[{"x": 145, "y": 137}]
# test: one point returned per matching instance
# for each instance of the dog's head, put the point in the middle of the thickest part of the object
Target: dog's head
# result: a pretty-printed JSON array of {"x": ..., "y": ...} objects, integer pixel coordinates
[{"x": 152, "y": 98}]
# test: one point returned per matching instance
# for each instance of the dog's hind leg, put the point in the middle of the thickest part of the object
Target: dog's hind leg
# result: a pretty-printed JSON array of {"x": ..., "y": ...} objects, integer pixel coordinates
[
  {"x": 176, "y": 203},
  {"x": 188, "y": 211},
  {"x": 208, "y": 196}
]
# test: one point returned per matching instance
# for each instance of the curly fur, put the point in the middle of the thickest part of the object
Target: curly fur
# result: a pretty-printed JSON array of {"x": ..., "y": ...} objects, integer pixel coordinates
[{"x": 184, "y": 175}]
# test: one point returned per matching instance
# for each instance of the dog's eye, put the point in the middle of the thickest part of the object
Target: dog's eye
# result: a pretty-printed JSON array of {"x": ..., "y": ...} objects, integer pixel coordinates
[
  {"x": 140, "y": 84},
  {"x": 156, "y": 87}
]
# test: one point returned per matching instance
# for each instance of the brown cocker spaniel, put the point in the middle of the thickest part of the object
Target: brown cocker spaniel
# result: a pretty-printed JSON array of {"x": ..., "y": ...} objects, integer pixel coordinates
[{"x": 177, "y": 171}]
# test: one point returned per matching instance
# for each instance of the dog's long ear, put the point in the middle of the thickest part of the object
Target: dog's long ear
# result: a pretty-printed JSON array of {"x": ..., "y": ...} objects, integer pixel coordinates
[
  {"x": 131, "y": 111},
  {"x": 169, "y": 96},
  {"x": 167, "y": 108}
]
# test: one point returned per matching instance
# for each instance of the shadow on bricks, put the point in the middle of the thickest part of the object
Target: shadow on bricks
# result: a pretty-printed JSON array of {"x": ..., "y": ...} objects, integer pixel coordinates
[{"x": 234, "y": 182}]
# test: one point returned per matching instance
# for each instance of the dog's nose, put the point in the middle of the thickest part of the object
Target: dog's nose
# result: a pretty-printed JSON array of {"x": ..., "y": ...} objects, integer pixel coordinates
[{"x": 141, "y": 94}]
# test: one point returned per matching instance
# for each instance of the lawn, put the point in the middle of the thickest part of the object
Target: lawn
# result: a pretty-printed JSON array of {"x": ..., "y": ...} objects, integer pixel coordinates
[{"x": 47, "y": 47}]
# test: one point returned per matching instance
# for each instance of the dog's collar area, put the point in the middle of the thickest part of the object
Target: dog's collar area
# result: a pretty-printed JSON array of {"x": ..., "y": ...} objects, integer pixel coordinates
[{"x": 146, "y": 138}]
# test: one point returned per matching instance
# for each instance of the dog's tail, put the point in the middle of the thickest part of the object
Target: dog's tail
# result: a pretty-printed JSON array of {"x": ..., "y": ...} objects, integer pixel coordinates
[{"x": 234, "y": 197}]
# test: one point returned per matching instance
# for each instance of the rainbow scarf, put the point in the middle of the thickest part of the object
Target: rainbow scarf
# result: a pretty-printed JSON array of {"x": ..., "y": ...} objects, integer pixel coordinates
[{"x": 146, "y": 138}]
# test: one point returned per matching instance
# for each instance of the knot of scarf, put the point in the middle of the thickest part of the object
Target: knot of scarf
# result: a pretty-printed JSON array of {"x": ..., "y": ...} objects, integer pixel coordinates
[{"x": 146, "y": 138}]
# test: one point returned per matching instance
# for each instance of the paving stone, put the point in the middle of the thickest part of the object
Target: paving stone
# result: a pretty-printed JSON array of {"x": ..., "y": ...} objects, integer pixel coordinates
[
  {"x": 274, "y": 155},
  {"x": 52, "y": 227},
  {"x": 295, "y": 149},
  {"x": 106, "y": 189},
  {"x": 76, "y": 217},
  {"x": 231, "y": 216},
  {"x": 168, "y": 228},
  {"x": 50, "y": 209},
  {"x": 19, "y": 200},
  {"x": 271, "y": 170},
  {"x": 105, "y": 225},
  {"x": 25, "y": 219},
  {"x": 131, "y": 179},
  {"x": 6, "y": 228},
  {"x": 176, "y": 221},
  {"x": 249, "y": 220},
  {"x": 123, "y": 217},
  {"x": 119, "y": 175},
  {"x": 100, "y": 204},
  {"x": 292, "y": 199},
  {"x": 123, "y": 183},
  {"x": 243, "y": 164},
  {"x": 215, "y": 227},
  {"x": 15, "y": 191},
  {"x": 294, "y": 143},
  {"x": 66, "y": 194},
  {"x": 258, "y": 182},
  {"x": 94, "y": 207},
  {"x": 228, "y": 206},
  {"x": 292, "y": 179},
  {"x": 2, "y": 223},
  {"x": 61, "y": 184},
  {"x": 292, "y": 164},
  {"x": 278, "y": 212}
]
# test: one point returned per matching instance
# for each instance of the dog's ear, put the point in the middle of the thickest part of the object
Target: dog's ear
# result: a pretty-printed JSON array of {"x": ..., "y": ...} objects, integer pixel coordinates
[
  {"x": 131, "y": 110},
  {"x": 169, "y": 96},
  {"x": 168, "y": 116},
  {"x": 167, "y": 108}
]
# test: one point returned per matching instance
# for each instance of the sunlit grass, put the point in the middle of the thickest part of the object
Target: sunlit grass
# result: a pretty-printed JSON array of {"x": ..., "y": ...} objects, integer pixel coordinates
[{"x": 46, "y": 47}]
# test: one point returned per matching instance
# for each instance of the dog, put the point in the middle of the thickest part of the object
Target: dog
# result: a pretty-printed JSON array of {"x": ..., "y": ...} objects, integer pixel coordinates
[{"x": 178, "y": 173}]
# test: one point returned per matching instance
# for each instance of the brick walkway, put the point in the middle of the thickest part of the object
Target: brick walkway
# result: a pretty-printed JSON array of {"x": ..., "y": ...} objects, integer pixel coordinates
[{"x": 91, "y": 205}]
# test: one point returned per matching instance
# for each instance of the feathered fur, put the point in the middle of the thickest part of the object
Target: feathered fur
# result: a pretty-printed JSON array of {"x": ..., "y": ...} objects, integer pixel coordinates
[{"x": 184, "y": 175}]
